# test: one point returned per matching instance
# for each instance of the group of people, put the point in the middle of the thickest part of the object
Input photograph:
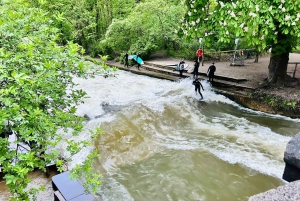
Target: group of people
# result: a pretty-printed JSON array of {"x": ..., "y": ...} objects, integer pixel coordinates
[
  {"x": 126, "y": 63},
  {"x": 210, "y": 72}
]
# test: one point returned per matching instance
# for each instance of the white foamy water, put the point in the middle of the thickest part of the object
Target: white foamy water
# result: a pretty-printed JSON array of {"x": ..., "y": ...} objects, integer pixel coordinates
[{"x": 146, "y": 117}]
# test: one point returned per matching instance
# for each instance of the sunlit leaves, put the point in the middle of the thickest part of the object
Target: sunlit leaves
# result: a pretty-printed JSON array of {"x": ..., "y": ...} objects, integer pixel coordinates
[
  {"x": 92, "y": 179},
  {"x": 263, "y": 21}
]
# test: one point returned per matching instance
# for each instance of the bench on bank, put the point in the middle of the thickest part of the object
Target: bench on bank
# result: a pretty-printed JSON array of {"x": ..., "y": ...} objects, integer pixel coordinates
[{"x": 66, "y": 189}]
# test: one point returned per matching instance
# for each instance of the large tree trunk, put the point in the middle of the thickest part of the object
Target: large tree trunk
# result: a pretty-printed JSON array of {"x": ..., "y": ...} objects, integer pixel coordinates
[
  {"x": 277, "y": 68},
  {"x": 279, "y": 60}
]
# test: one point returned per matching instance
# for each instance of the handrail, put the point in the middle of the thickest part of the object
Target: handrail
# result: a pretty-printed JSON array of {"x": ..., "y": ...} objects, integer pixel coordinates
[{"x": 227, "y": 51}]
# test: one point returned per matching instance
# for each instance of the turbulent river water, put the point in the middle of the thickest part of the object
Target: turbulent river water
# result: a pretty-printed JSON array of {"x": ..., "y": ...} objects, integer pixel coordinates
[{"x": 162, "y": 144}]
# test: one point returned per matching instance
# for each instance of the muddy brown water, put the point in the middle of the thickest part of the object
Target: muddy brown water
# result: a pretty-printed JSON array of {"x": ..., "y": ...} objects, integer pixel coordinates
[{"x": 161, "y": 143}]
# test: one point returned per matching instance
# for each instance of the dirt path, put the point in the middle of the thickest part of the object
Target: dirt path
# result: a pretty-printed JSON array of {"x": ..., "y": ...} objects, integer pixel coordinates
[{"x": 255, "y": 73}]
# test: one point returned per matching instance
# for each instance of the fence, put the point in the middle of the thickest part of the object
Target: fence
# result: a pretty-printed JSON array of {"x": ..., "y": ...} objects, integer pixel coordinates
[
  {"x": 227, "y": 56},
  {"x": 224, "y": 56}
]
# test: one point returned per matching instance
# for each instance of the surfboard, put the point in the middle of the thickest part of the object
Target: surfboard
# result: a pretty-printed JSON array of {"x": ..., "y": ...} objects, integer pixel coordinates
[
  {"x": 191, "y": 70},
  {"x": 177, "y": 66},
  {"x": 130, "y": 56},
  {"x": 139, "y": 60}
]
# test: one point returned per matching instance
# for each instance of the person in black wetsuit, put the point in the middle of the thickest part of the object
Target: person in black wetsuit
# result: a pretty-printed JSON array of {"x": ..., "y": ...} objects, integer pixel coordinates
[
  {"x": 138, "y": 64},
  {"x": 181, "y": 67},
  {"x": 195, "y": 73},
  {"x": 198, "y": 84},
  {"x": 211, "y": 72},
  {"x": 126, "y": 60}
]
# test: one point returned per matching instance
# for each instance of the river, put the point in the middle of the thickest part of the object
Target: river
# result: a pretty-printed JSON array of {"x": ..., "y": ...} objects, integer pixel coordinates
[{"x": 162, "y": 144}]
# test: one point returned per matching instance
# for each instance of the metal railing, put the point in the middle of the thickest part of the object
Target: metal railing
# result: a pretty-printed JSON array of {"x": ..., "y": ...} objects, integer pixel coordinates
[{"x": 227, "y": 55}]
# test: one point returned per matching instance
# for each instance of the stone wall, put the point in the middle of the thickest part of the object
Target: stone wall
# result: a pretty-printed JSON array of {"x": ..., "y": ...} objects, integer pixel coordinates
[
  {"x": 292, "y": 160},
  {"x": 290, "y": 191}
]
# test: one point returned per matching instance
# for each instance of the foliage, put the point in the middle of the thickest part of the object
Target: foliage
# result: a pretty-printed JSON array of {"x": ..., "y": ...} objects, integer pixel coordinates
[
  {"x": 37, "y": 95},
  {"x": 84, "y": 21},
  {"x": 258, "y": 23},
  {"x": 297, "y": 49},
  {"x": 276, "y": 102},
  {"x": 147, "y": 28}
]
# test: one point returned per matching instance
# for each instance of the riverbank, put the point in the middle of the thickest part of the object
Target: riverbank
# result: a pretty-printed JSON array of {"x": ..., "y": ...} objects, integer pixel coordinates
[{"x": 281, "y": 100}]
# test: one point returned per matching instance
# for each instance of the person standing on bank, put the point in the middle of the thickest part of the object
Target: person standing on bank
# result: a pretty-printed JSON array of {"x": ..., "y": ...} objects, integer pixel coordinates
[
  {"x": 126, "y": 60},
  {"x": 137, "y": 57},
  {"x": 211, "y": 72},
  {"x": 198, "y": 84},
  {"x": 181, "y": 67},
  {"x": 196, "y": 69}
]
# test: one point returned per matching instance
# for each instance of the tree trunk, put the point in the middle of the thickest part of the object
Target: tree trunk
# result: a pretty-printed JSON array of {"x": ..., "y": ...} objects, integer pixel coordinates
[
  {"x": 279, "y": 60},
  {"x": 256, "y": 56},
  {"x": 97, "y": 22},
  {"x": 277, "y": 68}
]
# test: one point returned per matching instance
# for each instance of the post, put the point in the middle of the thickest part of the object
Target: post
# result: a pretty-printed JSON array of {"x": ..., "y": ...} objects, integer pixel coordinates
[
  {"x": 295, "y": 70},
  {"x": 236, "y": 43}
]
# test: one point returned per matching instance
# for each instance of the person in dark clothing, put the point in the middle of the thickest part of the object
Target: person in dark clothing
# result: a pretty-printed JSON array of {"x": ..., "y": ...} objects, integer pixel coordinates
[
  {"x": 211, "y": 72},
  {"x": 126, "y": 60},
  {"x": 181, "y": 67},
  {"x": 137, "y": 57},
  {"x": 196, "y": 69},
  {"x": 198, "y": 84}
]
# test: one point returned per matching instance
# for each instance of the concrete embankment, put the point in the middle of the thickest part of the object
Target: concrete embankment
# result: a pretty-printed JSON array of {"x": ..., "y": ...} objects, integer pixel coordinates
[{"x": 290, "y": 191}]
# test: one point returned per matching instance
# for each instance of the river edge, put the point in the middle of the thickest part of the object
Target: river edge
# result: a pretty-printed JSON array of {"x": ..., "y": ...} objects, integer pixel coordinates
[
  {"x": 254, "y": 92},
  {"x": 283, "y": 100},
  {"x": 264, "y": 101}
]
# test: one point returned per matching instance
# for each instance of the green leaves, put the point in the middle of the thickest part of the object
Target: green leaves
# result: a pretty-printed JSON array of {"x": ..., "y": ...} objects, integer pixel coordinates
[
  {"x": 10, "y": 179},
  {"x": 262, "y": 21},
  {"x": 38, "y": 97},
  {"x": 92, "y": 180},
  {"x": 146, "y": 29}
]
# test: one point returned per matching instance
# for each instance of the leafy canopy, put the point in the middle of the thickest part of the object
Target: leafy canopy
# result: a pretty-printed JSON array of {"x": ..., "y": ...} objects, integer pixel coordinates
[
  {"x": 260, "y": 23},
  {"x": 146, "y": 29}
]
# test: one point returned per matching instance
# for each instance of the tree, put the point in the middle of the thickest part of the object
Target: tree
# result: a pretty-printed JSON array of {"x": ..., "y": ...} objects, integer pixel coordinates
[
  {"x": 38, "y": 98},
  {"x": 263, "y": 24},
  {"x": 84, "y": 21},
  {"x": 146, "y": 29}
]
